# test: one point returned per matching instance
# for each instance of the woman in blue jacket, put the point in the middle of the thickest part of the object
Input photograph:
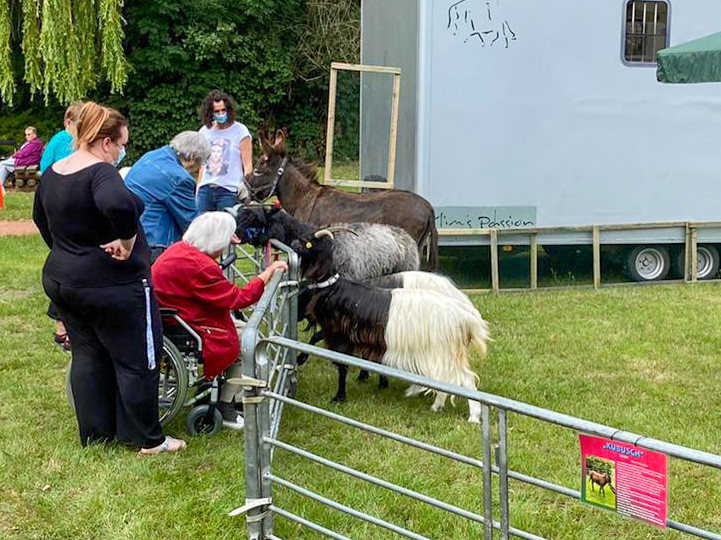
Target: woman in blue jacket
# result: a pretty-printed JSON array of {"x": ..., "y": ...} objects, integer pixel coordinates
[{"x": 165, "y": 180}]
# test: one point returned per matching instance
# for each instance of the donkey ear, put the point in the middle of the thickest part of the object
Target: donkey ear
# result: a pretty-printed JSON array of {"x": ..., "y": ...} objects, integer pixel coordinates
[
  {"x": 264, "y": 142},
  {"x": 279, "y": 140}
]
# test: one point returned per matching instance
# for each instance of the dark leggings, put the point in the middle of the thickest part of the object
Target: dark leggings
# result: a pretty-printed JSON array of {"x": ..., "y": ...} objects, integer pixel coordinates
[{"x": 117, "y": 341}]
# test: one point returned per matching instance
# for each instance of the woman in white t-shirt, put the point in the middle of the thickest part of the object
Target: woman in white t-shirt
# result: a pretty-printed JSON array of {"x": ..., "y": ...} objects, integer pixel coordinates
[{"x": 221, "y": 180}]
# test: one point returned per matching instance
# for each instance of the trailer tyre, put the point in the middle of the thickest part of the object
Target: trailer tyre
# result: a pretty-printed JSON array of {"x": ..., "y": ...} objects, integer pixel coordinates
[
  {"x": 708, "y": 262},
  {"x": 648, "y": 263}
]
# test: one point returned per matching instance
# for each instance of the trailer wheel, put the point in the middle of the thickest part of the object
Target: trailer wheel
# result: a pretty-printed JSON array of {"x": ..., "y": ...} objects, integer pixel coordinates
[
  {"x": 648, "y": 263},
  {"x": 708, "y": 262}
]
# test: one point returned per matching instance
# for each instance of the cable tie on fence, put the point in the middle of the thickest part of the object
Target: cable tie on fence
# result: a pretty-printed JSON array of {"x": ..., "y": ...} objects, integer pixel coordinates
[
  {"x": 259, "y": 517},
  {"x": 251, "y": 504}
]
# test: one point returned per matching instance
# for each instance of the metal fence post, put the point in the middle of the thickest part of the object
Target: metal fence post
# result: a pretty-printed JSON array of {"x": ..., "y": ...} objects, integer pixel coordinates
[
  {"x": 252, "y": 432},
  {"x": 264, "y": 449},
  {"x": 503, "y": 472},
  {"x": 487, "y": 472}
]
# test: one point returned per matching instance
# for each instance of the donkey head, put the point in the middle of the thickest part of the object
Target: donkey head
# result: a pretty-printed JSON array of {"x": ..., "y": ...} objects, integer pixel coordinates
[{"x": 262, "y": 181}]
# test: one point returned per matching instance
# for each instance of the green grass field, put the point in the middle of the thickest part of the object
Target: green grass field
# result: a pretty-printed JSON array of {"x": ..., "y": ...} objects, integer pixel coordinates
[
  {"x": 18, "y": 205},
  {"x": 643, "y": 359}
]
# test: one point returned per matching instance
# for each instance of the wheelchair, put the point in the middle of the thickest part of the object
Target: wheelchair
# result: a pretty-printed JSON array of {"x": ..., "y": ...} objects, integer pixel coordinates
[
  {"x": 179, "y": 375},
  {"x": 178, "y": 369}
]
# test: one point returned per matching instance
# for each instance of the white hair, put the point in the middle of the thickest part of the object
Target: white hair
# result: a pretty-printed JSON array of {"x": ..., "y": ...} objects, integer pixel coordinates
[
  {"x": 191, "y": 146},
  {"x": 210, "y": 232},
  {"x": 434, "y": 341}
]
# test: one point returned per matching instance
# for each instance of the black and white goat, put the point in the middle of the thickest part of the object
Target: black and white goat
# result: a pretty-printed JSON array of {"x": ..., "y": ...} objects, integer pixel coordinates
[
  {"x": 370, "y": 250},
  {"x": 417, "y": 330}
]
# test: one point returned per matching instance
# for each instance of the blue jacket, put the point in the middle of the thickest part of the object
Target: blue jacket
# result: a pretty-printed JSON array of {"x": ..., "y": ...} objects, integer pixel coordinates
[
  {"x": 168, "y": 191},
  {"x": 59, "y": 147}
]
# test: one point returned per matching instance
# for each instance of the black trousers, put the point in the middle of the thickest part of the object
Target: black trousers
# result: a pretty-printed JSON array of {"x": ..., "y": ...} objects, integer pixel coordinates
[
  {"x": 117, "y": 339},
  {"x": 53, "y": 312}
]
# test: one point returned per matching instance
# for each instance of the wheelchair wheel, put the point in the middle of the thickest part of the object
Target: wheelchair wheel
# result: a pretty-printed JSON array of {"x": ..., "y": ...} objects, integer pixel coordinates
[
  {"x": 173, "y": 383},
  {"x": 202, "y": 421}
]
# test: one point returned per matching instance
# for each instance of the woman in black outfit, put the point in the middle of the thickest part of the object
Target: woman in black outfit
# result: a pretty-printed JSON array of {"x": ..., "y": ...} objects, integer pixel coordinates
[{"x": 98, "y": 275}]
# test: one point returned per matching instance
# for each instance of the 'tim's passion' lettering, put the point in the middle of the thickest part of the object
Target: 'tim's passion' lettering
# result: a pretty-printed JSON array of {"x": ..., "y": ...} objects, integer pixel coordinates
[{"x": 480, "y": 222}]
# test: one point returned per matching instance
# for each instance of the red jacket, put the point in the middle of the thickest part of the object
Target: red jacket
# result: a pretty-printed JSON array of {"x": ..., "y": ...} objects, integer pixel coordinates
[
  {"x": 190, "y": 281},
  {"x": 29, "y": 153}
]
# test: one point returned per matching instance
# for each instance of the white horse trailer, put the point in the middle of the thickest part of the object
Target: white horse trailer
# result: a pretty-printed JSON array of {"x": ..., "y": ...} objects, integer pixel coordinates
[{"x": 547, "y": 113}]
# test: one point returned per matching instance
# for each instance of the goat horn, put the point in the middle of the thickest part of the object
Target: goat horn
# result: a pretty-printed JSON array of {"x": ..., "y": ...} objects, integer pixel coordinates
[
  {"x": 340, "y": 228},
  {"x": 323, "y": 232}
]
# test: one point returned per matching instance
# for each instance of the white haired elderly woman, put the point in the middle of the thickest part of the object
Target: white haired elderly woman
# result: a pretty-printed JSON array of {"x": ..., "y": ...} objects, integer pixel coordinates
[
  {"x": 165, "y": 179},
  {"x": 188, "y": 278}
]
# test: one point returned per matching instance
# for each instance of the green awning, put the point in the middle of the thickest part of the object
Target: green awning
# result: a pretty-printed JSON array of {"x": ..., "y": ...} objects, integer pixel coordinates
[{"x": 696, "y": 61}]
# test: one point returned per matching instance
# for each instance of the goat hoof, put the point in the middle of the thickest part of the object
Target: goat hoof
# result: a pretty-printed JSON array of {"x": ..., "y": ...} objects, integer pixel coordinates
[
  {"x": 474, "y": 419},
  {"x": 383, "y": 383},
  {"x": 435, "y": 408},
  {"x": 338, "y": 399},
  {"x": 301, "y": 359},
  {"x": 363, "y": 376}
]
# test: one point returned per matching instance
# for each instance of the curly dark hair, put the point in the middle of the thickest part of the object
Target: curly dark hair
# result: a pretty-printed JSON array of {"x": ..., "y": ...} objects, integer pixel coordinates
[{"x": 206, "y": 109}]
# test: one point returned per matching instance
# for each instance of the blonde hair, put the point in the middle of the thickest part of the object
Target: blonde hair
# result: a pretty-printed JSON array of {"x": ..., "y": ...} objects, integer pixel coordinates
[
  {"x": 97, "y": 122},
  {"x": 73, "y": 111}
]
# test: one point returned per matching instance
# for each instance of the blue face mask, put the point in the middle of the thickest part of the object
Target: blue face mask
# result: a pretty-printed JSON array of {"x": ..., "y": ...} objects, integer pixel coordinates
[
  {"x": 221, "y": 118},
  {"x": 121, "y": 157}
]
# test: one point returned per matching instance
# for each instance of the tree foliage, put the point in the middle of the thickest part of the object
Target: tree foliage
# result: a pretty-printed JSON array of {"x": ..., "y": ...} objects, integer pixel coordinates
[
  {"x": 273, "y": 56},
  {"x": 181, "y": 49},
  {"x": 67, "y": 46}
]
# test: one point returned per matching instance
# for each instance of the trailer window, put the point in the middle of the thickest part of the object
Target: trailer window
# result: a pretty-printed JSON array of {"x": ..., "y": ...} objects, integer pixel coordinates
[{"x": 646, "y": 31}]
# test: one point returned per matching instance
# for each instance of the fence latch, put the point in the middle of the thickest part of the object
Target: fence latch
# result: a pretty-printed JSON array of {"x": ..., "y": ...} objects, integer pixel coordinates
[
  {"x": 250, "y": 504},
  {"x": 247, "y": 381}
]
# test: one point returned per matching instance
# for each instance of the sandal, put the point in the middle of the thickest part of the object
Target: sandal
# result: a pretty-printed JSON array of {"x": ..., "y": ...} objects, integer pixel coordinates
[{"x": 168, "y": 445}]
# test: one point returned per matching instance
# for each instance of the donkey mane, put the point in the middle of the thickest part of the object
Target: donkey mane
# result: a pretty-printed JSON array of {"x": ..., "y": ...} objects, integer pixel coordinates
[{"x": 307, "y": 170}]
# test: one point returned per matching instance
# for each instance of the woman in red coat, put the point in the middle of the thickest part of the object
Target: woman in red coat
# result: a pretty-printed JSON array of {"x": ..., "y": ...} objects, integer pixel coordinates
[{"x": 187, "y": 277}]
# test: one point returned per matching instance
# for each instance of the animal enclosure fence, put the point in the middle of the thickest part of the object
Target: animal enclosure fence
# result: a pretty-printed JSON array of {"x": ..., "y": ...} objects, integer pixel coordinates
[{"x": 269, "y": 352}]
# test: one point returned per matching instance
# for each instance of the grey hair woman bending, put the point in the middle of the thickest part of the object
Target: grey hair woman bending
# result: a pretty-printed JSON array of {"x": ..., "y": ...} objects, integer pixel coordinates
[{"x": 165, "y": 179}]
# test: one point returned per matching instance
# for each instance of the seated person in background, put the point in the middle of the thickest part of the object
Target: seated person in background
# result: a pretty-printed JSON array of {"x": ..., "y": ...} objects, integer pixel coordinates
[
  {"x": 28, "y": 154},
  {"x": 188, "y": 278},
  {"x": 164, "y": 179},
  {"x": 62, "y": 143}
]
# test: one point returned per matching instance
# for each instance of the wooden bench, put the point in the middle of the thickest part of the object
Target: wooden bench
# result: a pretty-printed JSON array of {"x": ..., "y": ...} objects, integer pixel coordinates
[{"x": 27, "y": 176}]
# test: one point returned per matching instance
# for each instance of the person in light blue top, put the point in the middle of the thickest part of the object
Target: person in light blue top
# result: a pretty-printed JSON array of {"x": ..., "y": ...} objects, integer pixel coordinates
[
  {"x": 165, "y": 180},
  {"x": 62, "y": 143}
]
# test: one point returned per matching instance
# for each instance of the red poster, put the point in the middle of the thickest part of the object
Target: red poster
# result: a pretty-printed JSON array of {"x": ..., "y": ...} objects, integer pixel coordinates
[{"x": 624, "y": 478}]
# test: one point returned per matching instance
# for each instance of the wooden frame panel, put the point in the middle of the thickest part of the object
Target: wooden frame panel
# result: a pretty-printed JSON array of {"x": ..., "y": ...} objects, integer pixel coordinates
[{"x": 332, "y": 89}]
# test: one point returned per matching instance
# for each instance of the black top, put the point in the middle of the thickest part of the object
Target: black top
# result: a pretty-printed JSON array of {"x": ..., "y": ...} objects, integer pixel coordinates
[{"x": 77, "y": 213}]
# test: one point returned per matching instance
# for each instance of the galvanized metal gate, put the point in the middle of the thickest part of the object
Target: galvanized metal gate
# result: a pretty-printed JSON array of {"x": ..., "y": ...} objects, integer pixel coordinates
[{"x": 270, "y": 348}]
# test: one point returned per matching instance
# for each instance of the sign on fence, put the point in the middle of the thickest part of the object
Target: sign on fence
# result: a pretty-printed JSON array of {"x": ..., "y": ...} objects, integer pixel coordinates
[{"x": 624, "y": 478}]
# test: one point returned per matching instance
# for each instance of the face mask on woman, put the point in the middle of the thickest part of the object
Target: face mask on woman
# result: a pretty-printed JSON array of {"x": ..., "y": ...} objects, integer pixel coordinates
[
  {"x": 221, "y": 118},
  {"x": 121, "y": 157}
]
